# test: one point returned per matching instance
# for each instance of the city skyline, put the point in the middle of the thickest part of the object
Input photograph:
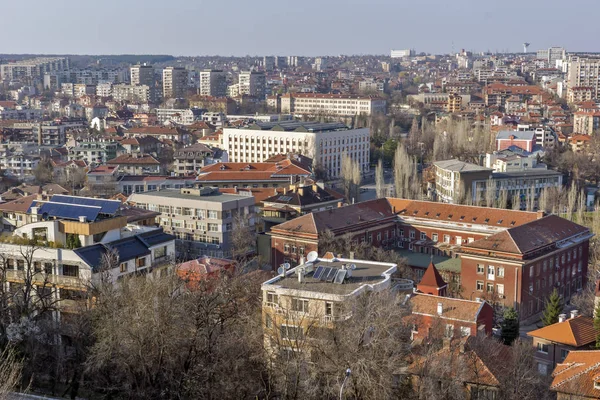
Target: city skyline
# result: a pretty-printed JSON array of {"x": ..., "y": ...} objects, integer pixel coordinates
[{"x": 352, "y": 28}]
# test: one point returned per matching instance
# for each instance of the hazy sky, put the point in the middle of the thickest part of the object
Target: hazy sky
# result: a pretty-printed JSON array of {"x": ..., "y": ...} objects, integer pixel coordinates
[{"x": 302, "y": 27}]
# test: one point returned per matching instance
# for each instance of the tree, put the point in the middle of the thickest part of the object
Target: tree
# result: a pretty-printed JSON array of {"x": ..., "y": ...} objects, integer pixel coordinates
[
  {"x": 351, "y": 177},
  {"x": 10, "y": 371},
  {"x": 510, "y": 326},
  {"x": 43, "y": 173},
  {"x": 379, "y": 180},
  {"x": 553, "y": 309}
]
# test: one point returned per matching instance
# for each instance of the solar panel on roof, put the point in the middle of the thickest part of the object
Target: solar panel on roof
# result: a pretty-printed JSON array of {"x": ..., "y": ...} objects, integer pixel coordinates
[
  {"x": 318, "y": 272},
  {"x": 339, "y": 277},
  {"x": 326, "y": 271},
  {"x": 69, "y": 211},
  {"x": 331, "y": 274},
  {"x": 107, "y": 206}
]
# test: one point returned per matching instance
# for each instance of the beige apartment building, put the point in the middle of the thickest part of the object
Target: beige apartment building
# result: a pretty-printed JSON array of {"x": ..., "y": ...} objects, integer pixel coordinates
[
  {"x": 331, "y": 104},
  {"x": 325, "y": 143},
  {"x": 583, "y": 72}
]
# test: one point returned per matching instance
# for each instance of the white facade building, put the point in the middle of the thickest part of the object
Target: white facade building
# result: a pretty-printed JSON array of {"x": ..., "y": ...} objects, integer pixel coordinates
[
  {"x": 174, "y": 82},
  {"x": 252, "y": 83},
  {"x": 212, "y": 83},
  {"x": 324, "y": 143},
  {"x": 331, "y": 104}
]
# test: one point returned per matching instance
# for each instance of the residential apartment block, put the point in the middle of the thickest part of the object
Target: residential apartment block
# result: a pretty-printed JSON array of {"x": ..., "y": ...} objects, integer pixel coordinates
[
  {"x": 323, "y": 142},
  {"x": 583, "y": 71},
  {"x": 202, "y": 219},
  {"x": 174, "y": 82},
  {"x": 133, "y": 93},
  {"x": 331, "y": 104},
  {"x": 213, "y": 82},
  {"x": 33, "y": 68}
]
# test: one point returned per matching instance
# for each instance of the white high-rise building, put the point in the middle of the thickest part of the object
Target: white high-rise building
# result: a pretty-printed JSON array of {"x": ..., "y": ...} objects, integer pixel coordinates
[
  {"x": 213, "y": 82},
  {"x": 174, "y": 82},
  {"x": 584, "y": 72}
]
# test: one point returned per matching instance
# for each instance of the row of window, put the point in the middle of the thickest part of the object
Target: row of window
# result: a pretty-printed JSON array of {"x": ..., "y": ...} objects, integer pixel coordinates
[{"x": 293, "y": 249}]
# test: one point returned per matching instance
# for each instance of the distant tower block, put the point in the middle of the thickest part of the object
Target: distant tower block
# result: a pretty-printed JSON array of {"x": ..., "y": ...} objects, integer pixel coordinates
[{"x": 525, "y": 46}]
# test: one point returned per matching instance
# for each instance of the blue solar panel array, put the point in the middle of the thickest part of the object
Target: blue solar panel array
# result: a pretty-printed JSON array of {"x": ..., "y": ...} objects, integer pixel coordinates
[
  {"x": 107, "y": 206},
  {"x": 69, "y": 211}
]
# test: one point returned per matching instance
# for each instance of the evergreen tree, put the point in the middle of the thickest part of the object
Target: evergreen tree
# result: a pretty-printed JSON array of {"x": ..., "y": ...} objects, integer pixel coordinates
[
  {"x": 597, "y": 325},
  {"x": 553, "y": 309},
  {"x": 510, "y": 326}
]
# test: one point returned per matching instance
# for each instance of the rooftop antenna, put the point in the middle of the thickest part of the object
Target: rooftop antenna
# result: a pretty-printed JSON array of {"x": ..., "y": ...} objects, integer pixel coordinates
[
  {"x": 284, "y": 267},
  {"x": 525, "y": 46}
]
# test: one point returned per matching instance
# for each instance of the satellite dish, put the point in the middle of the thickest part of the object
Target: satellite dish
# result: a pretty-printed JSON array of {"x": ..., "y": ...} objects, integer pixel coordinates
[
  {"x": 280, "y": 270},
  {"x": 312, "y": 256},
  {"x": 286, "y": 266}
]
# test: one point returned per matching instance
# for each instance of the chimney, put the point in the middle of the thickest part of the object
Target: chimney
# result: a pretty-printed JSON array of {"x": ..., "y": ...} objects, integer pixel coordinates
[
  {"x": 300, "y": 275},
  {"x": 541, "y": 214},
  {"x": 574, "y": 313},
  {"x": 34, "y": 210},
  {"x": 302, "y": 261},
  {"x": 340, "y": 204},
  {"x": 440, "y": 308},
  {"x": 562, "y": 317}
]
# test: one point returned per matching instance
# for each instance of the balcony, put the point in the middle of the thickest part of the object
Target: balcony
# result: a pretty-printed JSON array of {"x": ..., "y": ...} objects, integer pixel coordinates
[{"x": 41, "y": 278}]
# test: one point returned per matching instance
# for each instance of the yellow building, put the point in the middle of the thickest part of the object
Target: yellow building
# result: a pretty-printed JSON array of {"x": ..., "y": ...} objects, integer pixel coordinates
[
  {"x": 303, "y": 302},
  {"x": 454, "y": 103}
]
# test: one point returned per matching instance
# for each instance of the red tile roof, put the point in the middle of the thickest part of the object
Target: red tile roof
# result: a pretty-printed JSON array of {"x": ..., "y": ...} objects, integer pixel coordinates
[
  {"x": 577, "y": 374},
  {"x": 432, "y": 277},
  {"x": 576, "y": 332},
  {"x": 125, "y": 159}
]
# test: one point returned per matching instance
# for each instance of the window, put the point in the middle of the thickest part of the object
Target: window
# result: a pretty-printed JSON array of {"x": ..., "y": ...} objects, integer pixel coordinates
[
  {"x": 490, "y": 288},
  {"x": 500, "y": 290},
  {"x": 446, "y": 238},
  {"x": 531, "y": 271},
  {"x": 20, "y": 265},
  {"x": 480, "y": 286},
  {"x": 434, "y": 237},
  {"x": 123, "y": 267},
  {"x": 291, "y": 332},
  {"x": 542, "y": 348},
  {"x": 40, "y": 234},
  {"x": 500, "y": 272},
  {"x": 449, "y": 330},
  {"x": 412, "y": 234},
  {"x": 300, "y": 305},
  {"x": 160, "y": 252},
  {"x": 272, "y": 298},
  {"x": 140, "y": 262},
  {"x": 423, "y": 236},
  {"x": 213, "y": 227},
  {"x": 328, "y": 309},
  {"x": 465, "y": 331},
  {"x": 480, "y": 268},
  {"x": 458, "y": 240},
  {"x": 491, "y": 272},
  {"x": 301, "y": 251},
  {"x": 286, "y": 248},
  {"x": 212, "y": 214},
  {"x": 71, "y": 270},
  {"x": 563, "y": 353}
]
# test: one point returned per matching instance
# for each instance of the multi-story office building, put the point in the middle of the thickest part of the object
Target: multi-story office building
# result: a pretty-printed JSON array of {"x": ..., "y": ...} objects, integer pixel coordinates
[
  {"x": 314, "y": 295},
  {"x": 213, "y": 82},
  {"x": 174, "y": 82},
  {"x": 331, "y": 104},
  {"x": 136, "y": 94},
  {"x": 33, "y": 68},
  {"x": 202, "y": 219},
  {"x": 402, "y": 53},
  {"x": 252, "y": 83},
  {"x": 583, "y": 71},
  {"x": 325, "y": 143}
]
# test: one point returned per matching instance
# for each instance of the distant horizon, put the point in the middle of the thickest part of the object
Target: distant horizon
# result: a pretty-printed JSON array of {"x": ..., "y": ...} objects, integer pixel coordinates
[{"x": 309, "y": 28}]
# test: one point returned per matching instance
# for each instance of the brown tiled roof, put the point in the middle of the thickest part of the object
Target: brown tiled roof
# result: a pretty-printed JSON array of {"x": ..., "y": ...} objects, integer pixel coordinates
[
  {"x": 458, "y": 309},
  {"x": 530, "y": 236},
  {"x": 19, "y": 205},
  {"x": 153, "y": 130},
  {"x": 494, "y": 217},
  {"x": 250, "y": 171},
  {"x": 577, "y": 373},
  {"x": 577, "y": 332},
  {"x": 259, "y": 194},
  {"x": 338, "y": 218}
]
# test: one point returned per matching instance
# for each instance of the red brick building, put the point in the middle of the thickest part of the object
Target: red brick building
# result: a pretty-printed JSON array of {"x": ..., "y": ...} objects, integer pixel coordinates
[
  {"x": 507, "y": 256},
  {"x": 435, "y": 316},
  {"x": 522, "y": 265}
]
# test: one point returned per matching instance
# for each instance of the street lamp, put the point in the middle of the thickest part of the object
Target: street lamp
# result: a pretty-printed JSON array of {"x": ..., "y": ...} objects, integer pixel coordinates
[{"x": 348, "y": 372}]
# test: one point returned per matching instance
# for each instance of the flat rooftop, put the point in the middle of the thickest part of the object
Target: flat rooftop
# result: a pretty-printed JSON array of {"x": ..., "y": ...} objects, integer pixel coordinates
[
  {"x": 365, "y": 273},
  {"x": 216, "y": 196},
  {"x": 421, "y": 260},
  {"x": 297, "y": 126}
]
